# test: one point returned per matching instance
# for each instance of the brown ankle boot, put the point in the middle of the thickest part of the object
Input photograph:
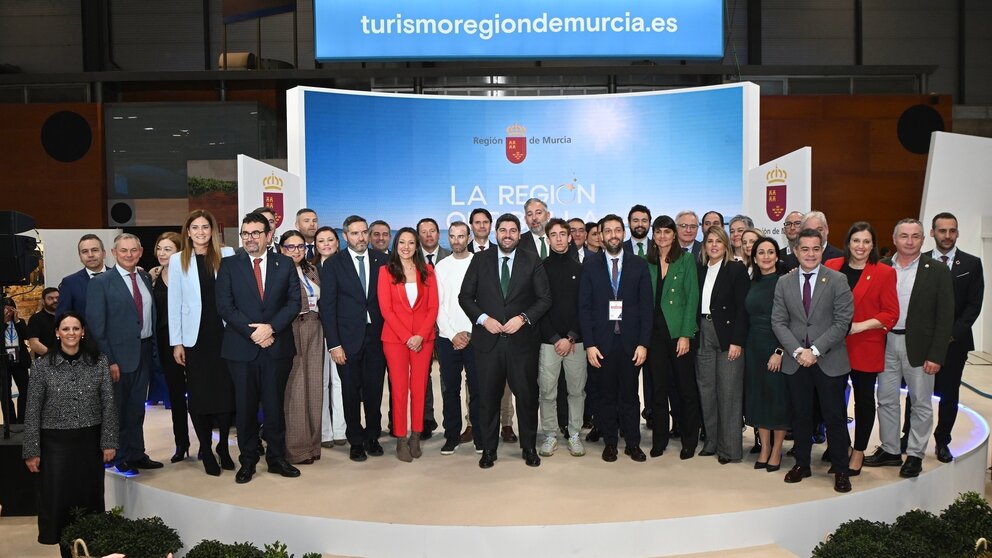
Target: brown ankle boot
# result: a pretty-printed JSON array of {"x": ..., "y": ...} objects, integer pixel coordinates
[
  {"x": 403, "y": 450},
  {"x": 415, "y": 450}
]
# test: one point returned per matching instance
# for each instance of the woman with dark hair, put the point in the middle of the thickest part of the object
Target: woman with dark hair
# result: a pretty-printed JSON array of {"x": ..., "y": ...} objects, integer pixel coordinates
[
  {"x": 167, "y": 244},
  {"x": 195, "y": 333},
  {"x": 332, "y": 425},
  {"x": 723, "y": 286},
  {"x": 409, "y": 303},
  {"x": 766, "y": 395},
  {"x": 876, "y": 310},
  {"x": 70, "y": 429},
  {"x": 303, "y": 398},
  {"x": 676, "y": 298}
]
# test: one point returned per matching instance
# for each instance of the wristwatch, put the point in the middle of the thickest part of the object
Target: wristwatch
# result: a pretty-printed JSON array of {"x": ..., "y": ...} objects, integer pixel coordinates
[
  {"x": 779, "y": 351},
  {"x": 524, "y": 317}
]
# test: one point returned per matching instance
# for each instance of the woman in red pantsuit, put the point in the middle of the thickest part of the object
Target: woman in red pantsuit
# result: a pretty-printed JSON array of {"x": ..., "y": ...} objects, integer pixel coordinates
[
  {"x": 876, "y": 310},
  {"x": 408, "y": 301}
]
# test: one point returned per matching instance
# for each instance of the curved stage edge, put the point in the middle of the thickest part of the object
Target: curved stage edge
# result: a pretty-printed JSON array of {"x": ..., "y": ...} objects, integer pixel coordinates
[{"x": 797, "y": 527}]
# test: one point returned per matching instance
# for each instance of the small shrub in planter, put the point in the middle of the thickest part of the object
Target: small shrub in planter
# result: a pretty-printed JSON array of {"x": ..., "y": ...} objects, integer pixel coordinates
[
  {"x": 859, "y": 537},
  {"x": 217, "y": 549},
  {"x": 921, "y": 534},
  {"x": 111, "y": 532},
  {"x": 971, "y": 516}
]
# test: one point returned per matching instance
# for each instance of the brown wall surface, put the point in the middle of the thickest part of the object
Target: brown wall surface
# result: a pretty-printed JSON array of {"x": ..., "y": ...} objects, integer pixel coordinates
[
  {"x": 861, "y": 171},
  {"x": 57, "y": 194}
]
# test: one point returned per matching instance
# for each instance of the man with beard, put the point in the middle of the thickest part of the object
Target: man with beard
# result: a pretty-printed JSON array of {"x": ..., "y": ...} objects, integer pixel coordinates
[
  {"x": 791, "y": 227},
  {"x": 536, "y": 215},
  {"x": 639, "y": 221},
  {"x": 41, "y": 327},
  {"x": 505, "y": 293},
  {"x": 306, "y": 223},
  {"x": 615, "y": 316}
]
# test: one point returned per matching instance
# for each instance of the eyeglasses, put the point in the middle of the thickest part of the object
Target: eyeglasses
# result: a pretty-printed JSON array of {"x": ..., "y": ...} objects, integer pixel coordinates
[
  {"x": 792, "y": 223},
  {"x": 293, "y": 247},
  {"x": 689, "y": 226},
  {"x": 255, "y": 235}
]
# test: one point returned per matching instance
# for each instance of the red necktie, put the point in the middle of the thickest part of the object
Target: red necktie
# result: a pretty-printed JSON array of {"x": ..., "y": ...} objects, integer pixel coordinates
[
  {"x": 137, "y": 300},
  {"x": 258, "y": 278}
]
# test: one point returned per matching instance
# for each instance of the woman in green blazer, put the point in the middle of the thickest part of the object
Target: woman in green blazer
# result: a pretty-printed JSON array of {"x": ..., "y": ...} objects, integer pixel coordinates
[{"x": 676, "y": 303}]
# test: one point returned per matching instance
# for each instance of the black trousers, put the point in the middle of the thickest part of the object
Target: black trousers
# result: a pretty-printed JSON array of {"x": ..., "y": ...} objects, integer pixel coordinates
[
  {"x": 805, "y": 386},
  {"x": 515, "y": 364},
  {"x": 362, "y": 378},
  {"x": 864, "y": 407},
  {"x": 175, "y": 381},
  {"x": 618, "y": 404},
  {"x": 452, "y": 363},
  {"x": 262, "y": 380},
  {"x": 673, "y": 377},
  {"x": 19, "y": 375},
  {"x": 947, "y": 386}
]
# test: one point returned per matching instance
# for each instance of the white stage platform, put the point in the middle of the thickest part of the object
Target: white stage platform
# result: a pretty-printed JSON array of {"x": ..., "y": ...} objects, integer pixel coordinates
[{"x": 447, "y": 506}]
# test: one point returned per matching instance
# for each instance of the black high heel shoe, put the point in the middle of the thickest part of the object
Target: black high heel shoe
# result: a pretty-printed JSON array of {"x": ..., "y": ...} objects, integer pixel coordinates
[
  {"x": 182, "y": 452},
  {"x": 224, "y": 453},
  {"x": 210, "y": 464}
]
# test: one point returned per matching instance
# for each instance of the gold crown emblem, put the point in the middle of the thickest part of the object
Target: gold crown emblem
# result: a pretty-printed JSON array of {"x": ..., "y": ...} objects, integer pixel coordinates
[
  {"x": 516, "y": 131},
  {"x": 272, "y": 182},
  {"x": 776, "y": 176}
]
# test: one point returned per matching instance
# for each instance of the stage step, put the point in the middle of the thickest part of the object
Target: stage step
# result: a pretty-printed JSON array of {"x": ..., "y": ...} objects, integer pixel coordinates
[{"x": 764, "y": 551}]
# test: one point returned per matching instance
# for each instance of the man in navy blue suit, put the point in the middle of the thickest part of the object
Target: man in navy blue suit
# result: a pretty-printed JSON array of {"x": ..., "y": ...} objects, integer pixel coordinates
[
  {"x": 615, "y": 316},
  {"x": 121, "y": 316},
  {"x": 349, "y": 312},
  {"x": 72, "y": 290},
  {"x": 258, "y": 296}
]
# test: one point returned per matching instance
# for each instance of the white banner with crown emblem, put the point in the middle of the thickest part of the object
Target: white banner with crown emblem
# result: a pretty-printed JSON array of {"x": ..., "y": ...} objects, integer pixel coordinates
[
  {"x": 776, "y": 188},
  {"x": 261, "y": 184}
]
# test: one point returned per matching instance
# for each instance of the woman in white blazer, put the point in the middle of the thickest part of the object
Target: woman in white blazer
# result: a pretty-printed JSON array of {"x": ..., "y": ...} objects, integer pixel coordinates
[{"x": 195, "y": 333}]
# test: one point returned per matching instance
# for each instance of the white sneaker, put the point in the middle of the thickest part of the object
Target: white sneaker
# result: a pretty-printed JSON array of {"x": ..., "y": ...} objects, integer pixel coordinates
[
  {"x": 575, "y": 446},
  {"x": 549, "y": 446}
]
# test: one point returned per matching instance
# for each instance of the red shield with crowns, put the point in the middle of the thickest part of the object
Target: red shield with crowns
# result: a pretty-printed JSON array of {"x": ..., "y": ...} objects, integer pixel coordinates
[
  {"x": 516, "y": 144},
  {"x": 775, "y": 193},
  {"x": 272, "y": 196}
]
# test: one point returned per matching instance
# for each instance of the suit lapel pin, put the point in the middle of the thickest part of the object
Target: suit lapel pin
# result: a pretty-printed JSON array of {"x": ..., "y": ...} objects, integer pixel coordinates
[
  {"x": 868, "y": 278},
  {"x": 926, "y": 265},
  {"x": 573, "y": 277},
  {"x": 823, "y": 279},
  {"x": 957, "y": 262}
]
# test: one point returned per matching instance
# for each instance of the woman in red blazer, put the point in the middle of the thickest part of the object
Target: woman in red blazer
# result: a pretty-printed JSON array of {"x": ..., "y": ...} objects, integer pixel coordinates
[
  {"x": 876, "y": 309},
  {"x": 409, "y": 303}
]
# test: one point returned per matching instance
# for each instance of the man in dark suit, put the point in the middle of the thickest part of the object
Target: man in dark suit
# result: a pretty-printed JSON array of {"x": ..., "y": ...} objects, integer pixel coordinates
[
  {"x": 811, "y": 316},
  {"x": 615, "y": 316},
  {"x": 258, "y": 296},
  {"x": 817, "y": 221},
  {"x": 639, "y": 221},
  {"x": 688, "y": 224},
  {"x": 72, "y": 290},
  {"x": 379, "y": 235},
  {"x": 481, "y": 222},
  {"x": 915, "y": 348},
  {"x": 121, "y": 315},
  {"x": 968, "y": 280},
  {"x": 349, "y": 312},
  {"x": 536, "y": 216},
  {"x": 505, "y": 292}
]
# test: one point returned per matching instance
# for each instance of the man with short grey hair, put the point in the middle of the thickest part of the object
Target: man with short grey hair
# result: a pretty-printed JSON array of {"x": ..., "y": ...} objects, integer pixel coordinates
[
  {"x": 688, "y": 224},
  {"x": 536, "y": 216}
]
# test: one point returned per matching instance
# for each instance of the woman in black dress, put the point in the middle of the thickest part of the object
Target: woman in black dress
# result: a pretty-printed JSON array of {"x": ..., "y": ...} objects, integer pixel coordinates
[
  {"x": 195, "y": 332},
  {"x": 166, "y": 245},
  {"x": 70, "y": 428}
]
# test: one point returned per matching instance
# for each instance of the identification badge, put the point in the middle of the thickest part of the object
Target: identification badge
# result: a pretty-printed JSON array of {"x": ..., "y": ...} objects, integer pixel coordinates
[
  {"x": 312, "y": 302},
  {"x": 616, "y": 310},
  {"x": 12, "y": 355}
]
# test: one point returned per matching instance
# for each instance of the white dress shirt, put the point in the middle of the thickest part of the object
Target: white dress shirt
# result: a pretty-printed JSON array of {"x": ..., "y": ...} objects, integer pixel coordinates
[
  {"x": 451, "y": 319},
  {"x": 146, "y": 300}
]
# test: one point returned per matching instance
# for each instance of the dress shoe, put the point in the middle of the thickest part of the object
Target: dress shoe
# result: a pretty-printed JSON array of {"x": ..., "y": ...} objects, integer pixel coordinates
[
  {"x": 881, "y": 458},
  {"x": 707, "y": 453},
  {"x": 466, "y": 436},
  {"x": 944, "y": 454},
  {"x": 328, "y": 444},
  {"x": 842, "y": 482},
  {"x": 357, "y": 453},
  {"x": 531, "y": 458},
  {"x": 210, "y": 465},
  {"x": 145, "y": 463},
  {"x": 819, "y": 438},
  {"x": 635, "y": 453},
  {"x": 281, "y": 467},
  {"x": 657, "y": 452},
  {"x": 594, "y": 435},
  {"x": 724, "y": 460},
  {"x": 488, "y": 459},
  {"x": 508, "y": 435},
  {"x": 182, "y": 452},
  {"x": 686, "y": 453},
  {"x": 224, "y": 454},
  {"x": 373, "y": 448},
  {"x": 609, "y": 453},
  {"x": 245, "y": 473},
  {"x": 126, "y": 468},
  {"x": 797, "y": 473},
  {"x": 911, "y": 468},
  {"x": 340, "y": 441}
]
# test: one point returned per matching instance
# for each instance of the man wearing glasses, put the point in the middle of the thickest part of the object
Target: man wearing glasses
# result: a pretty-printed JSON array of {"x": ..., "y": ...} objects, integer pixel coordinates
[
  {"x": 258, "y": 296},
  {"x": 688, "y": 224},
  {"x": 791, "y": 228}
]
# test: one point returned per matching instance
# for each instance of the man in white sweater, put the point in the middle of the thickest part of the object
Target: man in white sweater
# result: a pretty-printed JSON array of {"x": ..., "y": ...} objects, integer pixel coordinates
[{"x": 454, "y": 353}]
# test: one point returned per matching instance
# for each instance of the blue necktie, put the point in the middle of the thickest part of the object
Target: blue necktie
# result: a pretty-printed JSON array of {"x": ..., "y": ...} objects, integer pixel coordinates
[{"x": 361, "y": 275}]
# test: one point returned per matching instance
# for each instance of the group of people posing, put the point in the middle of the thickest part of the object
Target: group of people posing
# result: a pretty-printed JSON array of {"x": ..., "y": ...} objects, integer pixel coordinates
[{"x": 291, "y": 338}]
